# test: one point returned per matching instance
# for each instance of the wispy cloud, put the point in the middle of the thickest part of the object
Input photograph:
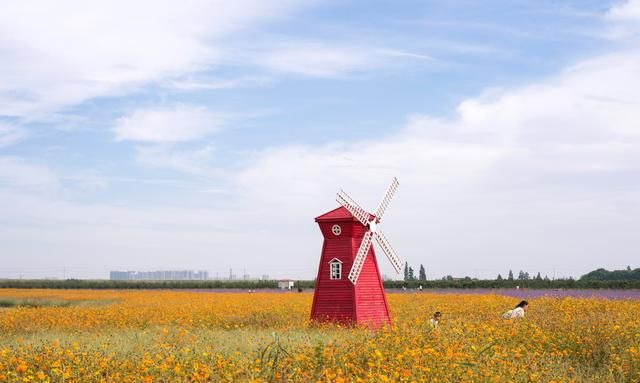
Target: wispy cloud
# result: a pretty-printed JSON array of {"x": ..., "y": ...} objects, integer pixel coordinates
[
  {"x": 330, "y": 59},
  {"x": 196, "y": 83},
  {"x": 317, "y": 59},
  {"x": 19, "y": 174},
  {"x": 625, "y": 21},
  {"x": 11, "y": 134},
  {"x": 511, "y": 166},
  {"x": 190, "y": 161},
  {"x": 628, "y": 10},
  {"x": 45, "y": 65},
  {"x": 178, "y": 123}
]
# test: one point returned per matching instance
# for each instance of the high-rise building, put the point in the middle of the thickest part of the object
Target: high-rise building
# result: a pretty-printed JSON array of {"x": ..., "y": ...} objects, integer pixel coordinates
[{"x": 159, "y": 275}]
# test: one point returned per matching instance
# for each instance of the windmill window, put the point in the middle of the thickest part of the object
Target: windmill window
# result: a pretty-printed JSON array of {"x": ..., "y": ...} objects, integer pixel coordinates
[
  {"x": 336, "y": 230},
  {"x": 336, "y": 269}
]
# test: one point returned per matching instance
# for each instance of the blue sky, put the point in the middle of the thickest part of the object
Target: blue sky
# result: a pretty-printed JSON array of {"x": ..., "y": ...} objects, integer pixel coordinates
[{"x": 204, "y": 135}]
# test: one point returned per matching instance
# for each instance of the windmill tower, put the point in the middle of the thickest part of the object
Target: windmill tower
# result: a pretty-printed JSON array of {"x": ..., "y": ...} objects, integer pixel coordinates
[{"x": 357, "y": 297}]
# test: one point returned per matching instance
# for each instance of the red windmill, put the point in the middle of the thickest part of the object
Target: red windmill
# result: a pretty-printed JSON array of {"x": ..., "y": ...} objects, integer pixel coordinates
[{"x": 348, "y": 234}]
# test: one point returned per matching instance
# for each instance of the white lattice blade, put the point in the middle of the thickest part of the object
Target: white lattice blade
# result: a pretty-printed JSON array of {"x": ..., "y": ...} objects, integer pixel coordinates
[
  {"x": 388, "y": 250},
  {"x": 358, "y": 262},
  {"x": 355, "y": 209},
  {"x": 386, "y": 199}
]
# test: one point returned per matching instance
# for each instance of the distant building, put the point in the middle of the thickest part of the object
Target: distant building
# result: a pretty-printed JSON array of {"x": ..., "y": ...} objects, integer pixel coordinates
[
  {"x": 160, "y": 275},
  {"x": 286, "y": 284},
  {"x": 121, "y": 275}
]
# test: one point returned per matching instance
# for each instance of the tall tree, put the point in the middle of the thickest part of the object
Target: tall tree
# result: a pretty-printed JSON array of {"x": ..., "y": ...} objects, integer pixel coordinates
[
  {"x": 510, "y": 277},
  {"x": 412, "y": 277},
  {"x": 521, "y": 275},
  {"x": 422, "y": 274},
  {"x": 406, "y": 271},
  {"x": 538, "y": 277},
  {"x": 499, "y": 278}
]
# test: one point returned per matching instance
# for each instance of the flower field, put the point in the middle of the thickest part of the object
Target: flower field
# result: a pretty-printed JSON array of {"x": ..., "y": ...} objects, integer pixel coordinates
[{"x": 168, "y": 336}]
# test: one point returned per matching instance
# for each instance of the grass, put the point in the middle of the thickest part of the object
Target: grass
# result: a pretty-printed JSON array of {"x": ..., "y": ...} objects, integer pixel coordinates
[
  {"x": 228, "y": 342},
  {"x": 50, "y": 302}
]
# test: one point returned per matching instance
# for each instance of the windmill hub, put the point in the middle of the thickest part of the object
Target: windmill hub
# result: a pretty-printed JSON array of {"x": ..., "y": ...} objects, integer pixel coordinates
[{"x": 373, "y": 225}]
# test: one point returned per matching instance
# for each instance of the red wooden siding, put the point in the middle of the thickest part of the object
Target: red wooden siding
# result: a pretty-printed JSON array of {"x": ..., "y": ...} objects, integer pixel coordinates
[
  {"x": 371, "y": 304},
  {"x": 333, "y": 298}
]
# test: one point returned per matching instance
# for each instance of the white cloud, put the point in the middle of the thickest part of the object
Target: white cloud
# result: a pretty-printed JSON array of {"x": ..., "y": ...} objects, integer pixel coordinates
[
  {"x": 189, "y": 83},
  {"x": 628, "y": 10},
  {"x": 329, "y": 59},
  {"x": 624, "y": 20},
  {"x": 45, "y": 62},
  {"x": 316, "y": 59},
  {"x": 11, "y": 134},
  {"x": 538, "y": 177},
  {"x": 167, "y": 124},
  {"x": 55, "y": 56},
  {"x": 19, "y": 174},
  {"x": 195, "y": 162}
]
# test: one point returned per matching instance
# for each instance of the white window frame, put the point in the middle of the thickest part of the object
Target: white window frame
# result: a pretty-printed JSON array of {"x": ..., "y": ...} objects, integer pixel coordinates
[{"x": 333, "y": 276}]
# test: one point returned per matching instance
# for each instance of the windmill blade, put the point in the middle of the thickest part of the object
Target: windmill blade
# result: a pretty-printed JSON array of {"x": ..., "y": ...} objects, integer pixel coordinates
[
  {"x": 387, "y": 198},
  {"x": 355, "y": 209},
  {"x": 388, "y": 250},
  {"x": 365, "y": 245}
]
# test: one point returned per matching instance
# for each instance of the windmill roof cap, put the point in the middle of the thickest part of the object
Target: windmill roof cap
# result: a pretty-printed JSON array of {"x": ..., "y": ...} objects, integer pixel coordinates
[{"x": 338, "y": 214}]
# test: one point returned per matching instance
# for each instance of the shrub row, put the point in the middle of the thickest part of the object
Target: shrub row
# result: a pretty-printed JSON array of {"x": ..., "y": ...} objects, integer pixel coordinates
[{"x": 309, "y": 284}]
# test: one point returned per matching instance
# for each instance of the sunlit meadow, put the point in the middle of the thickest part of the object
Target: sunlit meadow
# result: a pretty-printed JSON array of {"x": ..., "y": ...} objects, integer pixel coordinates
[{"x": 167, "y": 336}]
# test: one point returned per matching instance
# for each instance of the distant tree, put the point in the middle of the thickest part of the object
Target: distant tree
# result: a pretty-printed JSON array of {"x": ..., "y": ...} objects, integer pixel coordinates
[
  {"x": 422, "y": 273},
  {"x": 546, "y": 277},
  {"x": 526, "y": 276},
  {"x": 538, "y": 277},
  {"x": 521, "y": 275},
  {"x": 510, "y": 277},
  {"x": 449, "y": 278},
  {"x": 406, "y": 271},
  {"x": 615, "y": 275},
  {"x": 499, "y": 278},
  {"x": 412, "y": 277}
]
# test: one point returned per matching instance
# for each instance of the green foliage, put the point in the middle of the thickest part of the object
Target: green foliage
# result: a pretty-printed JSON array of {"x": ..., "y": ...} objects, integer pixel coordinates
[
  {"x": 422, "y": 274},
  {"x": 406, "y": 271},
  {"x": 615, "y": 275},
  {"x": 468, "y": 283},
  {"x": 597, "y": 279},
  {"x": 108, "y": 284}
]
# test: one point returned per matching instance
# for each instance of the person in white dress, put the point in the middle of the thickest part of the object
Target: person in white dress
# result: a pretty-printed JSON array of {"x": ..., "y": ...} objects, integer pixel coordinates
[
  {"x": 517, "y": 312},
  {"x": 435, "y": 320}
]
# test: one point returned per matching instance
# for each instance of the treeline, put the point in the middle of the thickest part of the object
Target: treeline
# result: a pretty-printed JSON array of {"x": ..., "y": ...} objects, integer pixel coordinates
[
  {"x": 597, "y": 279},
  {"x": 469, "y": 283},
  {"x": 446, "y": 283},
  {"x": 615, "y": 275},
  {"x": 109, "y": 284}
]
